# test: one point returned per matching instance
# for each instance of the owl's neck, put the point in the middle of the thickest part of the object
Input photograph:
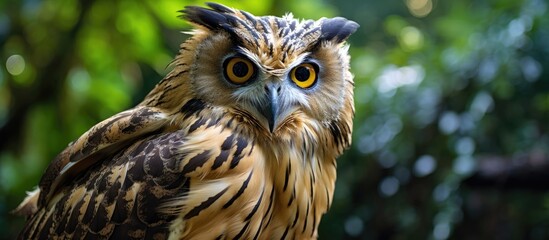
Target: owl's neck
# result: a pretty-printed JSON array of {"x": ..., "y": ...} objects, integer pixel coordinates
[{"x": 303, "y": 172}]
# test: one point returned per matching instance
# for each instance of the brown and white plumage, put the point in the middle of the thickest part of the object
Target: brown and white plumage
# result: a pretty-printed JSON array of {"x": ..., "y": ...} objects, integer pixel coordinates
[{"x": 205, "y": 157}]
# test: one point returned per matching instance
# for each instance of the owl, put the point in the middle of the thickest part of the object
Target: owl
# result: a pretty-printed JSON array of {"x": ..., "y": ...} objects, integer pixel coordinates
[{"x": 238, "y": 141}]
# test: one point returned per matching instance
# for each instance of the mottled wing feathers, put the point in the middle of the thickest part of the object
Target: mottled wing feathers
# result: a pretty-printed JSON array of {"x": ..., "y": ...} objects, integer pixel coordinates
[
  {"x": 118, "y": 197},
  {"x": 101, "y": 141}
]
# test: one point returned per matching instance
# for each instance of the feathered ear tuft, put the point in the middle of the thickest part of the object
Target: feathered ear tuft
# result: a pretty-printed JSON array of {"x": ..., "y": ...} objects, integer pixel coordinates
[
  {"x": 337, "y": 29},
  {"x": 220, "y": 8},
  {"x": 218, "y": 18}
]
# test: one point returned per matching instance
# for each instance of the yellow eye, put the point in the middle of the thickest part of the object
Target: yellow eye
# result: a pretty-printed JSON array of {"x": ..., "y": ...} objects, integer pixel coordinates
[
  {"x": 238, "y": 70},
  {"x": 304, "y": 75}
]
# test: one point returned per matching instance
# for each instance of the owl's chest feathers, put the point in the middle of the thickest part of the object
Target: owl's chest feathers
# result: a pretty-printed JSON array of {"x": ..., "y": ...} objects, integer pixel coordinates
[
  {"x": 303, "y": 179},
  {"x": 248, "y": 187}
]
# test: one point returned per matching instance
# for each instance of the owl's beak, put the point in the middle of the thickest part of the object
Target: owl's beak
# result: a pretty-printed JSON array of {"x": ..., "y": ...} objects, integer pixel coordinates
[{"x": 271, "y": 110}]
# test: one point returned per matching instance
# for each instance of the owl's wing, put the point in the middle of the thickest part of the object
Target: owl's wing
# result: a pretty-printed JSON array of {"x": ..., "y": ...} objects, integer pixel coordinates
[
  {"x": 102, "y": 140},
  {"x": 119, "y": 197}
]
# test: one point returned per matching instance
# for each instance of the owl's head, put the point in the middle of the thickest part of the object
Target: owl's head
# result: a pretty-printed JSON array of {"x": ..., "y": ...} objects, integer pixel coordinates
[{"x": 270, "y": 71}]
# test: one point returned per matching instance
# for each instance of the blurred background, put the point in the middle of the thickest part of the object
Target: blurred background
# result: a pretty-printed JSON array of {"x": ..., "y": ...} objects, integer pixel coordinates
[{"x": 452, "y": 105}]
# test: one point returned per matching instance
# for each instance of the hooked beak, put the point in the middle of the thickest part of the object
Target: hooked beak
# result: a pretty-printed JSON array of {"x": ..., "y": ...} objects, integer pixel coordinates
[{"x": 272, "y": 109}]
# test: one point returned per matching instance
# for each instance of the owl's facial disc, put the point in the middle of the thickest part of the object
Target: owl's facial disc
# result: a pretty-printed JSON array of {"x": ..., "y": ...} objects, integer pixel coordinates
[
  {"x": 262, "y": 92},
  {"x": 270, "y": 95}
]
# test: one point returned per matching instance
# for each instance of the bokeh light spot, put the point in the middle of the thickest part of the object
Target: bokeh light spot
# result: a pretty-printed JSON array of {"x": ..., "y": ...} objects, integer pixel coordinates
[
  {"x": 79, "y": 80},
  {"x": 465, "y": 146},
  {"x": 441, "y": 231},
  {"x": 367, "y": 144},
  {"x": 441, "y": 192},
  {"x": 531, "y": 69},
  {"x": 392, "y": 77},
  {"x": 449, "y": 122},
  {"x": 15, "y": 64},
  {"x": 419, "y": 8},
  {"x": 389, "y": 186},
  {"x": 482, "y": 103},
  {"x": 424, "y": 166},
  {"x": 464, "y": 165},
  {"x": 354, "y": 226},
  {"x": 387, "y": 159},
  {"x": 411, "y": 38}
]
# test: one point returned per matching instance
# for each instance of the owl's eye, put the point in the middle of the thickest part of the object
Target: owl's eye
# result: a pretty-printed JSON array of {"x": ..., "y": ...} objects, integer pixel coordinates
[
  {"x": 304, "y": 75},
  {"x": 238, "y": 70}
]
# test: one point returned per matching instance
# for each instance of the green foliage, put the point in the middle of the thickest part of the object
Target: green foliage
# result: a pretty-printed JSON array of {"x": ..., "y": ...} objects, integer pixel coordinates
[{"x": 442, "y": 89}]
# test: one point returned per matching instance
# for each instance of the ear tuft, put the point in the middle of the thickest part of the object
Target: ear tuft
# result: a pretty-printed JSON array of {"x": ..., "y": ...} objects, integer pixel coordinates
[
  {"x": 219, "y": 17},
  {"x": 337, "y": 29},
  {"x": 220, "y": 8}
]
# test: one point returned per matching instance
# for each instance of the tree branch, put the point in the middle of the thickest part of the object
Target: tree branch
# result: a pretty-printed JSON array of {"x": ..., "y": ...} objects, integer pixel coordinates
[{"x": 526, "y": 172}]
